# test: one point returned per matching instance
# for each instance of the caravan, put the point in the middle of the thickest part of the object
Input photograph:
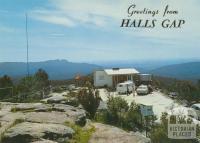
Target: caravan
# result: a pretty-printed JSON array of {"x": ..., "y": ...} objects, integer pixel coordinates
[{"x": 125, "y": 87}]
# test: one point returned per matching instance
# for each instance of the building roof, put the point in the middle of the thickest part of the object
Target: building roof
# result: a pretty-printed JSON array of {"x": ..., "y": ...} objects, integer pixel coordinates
[{"x": 118, "y": 71}]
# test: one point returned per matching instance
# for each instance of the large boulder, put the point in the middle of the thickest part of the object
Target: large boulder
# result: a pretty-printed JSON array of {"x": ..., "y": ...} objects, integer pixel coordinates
[
  {"x": 109, "y": 134},
  {"x": 29, "y": 132},
  {"x": 55, "y": 99},
  {"x": 78, "y": 115},
  {"x": 63, "y": 98}
]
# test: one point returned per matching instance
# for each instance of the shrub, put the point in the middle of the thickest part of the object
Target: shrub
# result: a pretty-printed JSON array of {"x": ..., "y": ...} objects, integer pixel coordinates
[
  {"x": 81, "y": 135},
  {"x": 117, "y": 106},
  {"x": 89, "y": 99}
]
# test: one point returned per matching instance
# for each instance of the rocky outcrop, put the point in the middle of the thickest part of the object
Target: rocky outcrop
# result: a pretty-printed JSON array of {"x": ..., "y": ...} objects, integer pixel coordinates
[
  {"x": 77, "y": 114},
  {"x": 38, "y": 107},
  {"x": 56, "y": 99},
  {"x": 27, "y": 132},
  {"x": 38, "y": 122},
  {"x": 63, "y": 98},
  {"x": 44, "y": 141},
  {"x": 52, "y": 122},
  {"x": 47, "y": 117},
  {"x": 110, "y": 134}
]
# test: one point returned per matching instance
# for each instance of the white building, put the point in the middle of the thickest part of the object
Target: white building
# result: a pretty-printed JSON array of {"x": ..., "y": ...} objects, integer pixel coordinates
[{"x": 111, "y": 77}]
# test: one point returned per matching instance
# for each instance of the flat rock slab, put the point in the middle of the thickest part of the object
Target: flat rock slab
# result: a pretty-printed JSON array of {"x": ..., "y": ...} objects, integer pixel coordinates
[
  {"x": 32, "y": 106},
  {"x": 29, "y": 132},
  {"x": 47, "y": 117},
  {"x": 44, "y": 141},
  {"x": 55, "y": 99},
  {"x": 70, "y": 110},
  {"x": 110, "y": 134},
  {"x": 60, "y": 114},
  {"x": 76, "y": 114}
]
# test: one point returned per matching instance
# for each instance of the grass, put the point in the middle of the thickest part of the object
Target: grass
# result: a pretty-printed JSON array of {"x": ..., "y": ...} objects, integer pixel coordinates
[
  {"x": 17, "y": 121},
  {"x": 81, "y": 135},
  {"x": 14, "y": 109}
]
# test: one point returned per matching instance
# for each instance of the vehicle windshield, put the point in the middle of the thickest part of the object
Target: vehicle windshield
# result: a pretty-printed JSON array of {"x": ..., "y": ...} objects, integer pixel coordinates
[{"x": 142, "y": 87}]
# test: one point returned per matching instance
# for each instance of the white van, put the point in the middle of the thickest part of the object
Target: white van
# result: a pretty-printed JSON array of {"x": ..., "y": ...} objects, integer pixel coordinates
[{"x": 125, "y": 87}]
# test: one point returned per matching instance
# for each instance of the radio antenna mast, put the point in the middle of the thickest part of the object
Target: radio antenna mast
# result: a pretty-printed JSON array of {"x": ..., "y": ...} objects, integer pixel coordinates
[{"x": 27, "y": 47}]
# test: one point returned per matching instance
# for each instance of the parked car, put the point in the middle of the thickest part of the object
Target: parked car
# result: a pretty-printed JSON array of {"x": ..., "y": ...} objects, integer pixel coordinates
[
  {"x": 125, "y": 87},
  {"x": 196, "y": 107},
  {"x": 142, "y": 89},
  {"x": 173, "y": 94}
]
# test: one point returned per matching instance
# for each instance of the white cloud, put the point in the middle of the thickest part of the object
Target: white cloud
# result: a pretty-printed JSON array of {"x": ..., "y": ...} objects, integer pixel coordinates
[
  {"x": 87, "y": 12},
  {"x": 52, "y": 17},
  {"x": 5, "y": 29}
]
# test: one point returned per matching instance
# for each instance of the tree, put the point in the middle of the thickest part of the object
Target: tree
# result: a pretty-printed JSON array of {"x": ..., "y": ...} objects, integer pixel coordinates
[
  {"x": 198, "y": 84},
  {"x": 89, "y": 99},
  {"x": 5, "y": 84},
  {"x": 33, "y": 88},
  {"x": 117, "y": 106},
  {"x": 5, "y": 81},
  {"x": 25, "y": 87},
  {"x": 42, "y": 79},
  {"x": 187, "y": 90},
  {"x": 26, "y": 84},
  {"x": 133, "y": 117}
]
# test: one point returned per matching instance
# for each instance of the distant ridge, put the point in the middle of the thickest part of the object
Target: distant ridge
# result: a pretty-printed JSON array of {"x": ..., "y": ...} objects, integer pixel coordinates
[
  {"x": 63, "y": 69},
  {"x": 186, "y": 71},
  {"x": 57, "y": 69}
]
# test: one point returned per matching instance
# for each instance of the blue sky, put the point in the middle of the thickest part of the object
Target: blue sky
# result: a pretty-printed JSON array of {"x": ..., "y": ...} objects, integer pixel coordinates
[{"x": 89, "y": 31}]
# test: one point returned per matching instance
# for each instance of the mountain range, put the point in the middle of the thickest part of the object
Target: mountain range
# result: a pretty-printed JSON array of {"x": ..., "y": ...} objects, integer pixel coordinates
[
  {"x": 185, "y": 71},
  {"x": 57, "y": 69},
  {"x": 63, "y": 69}
]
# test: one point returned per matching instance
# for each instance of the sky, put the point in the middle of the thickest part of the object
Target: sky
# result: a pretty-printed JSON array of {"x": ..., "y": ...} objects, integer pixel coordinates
[{"x": 89, "y": 31}]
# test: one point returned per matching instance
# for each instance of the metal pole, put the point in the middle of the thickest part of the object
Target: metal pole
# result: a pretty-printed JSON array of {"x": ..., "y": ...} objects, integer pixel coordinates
[{"x": 27, "y": 46}]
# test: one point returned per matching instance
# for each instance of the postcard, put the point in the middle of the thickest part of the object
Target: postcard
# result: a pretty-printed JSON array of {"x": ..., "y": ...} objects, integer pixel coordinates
[{"x": 99, "y": 71}]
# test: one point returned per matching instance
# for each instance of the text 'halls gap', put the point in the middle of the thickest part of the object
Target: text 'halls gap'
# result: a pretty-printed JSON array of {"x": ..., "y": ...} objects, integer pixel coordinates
[{"x": 153, "y": 22}]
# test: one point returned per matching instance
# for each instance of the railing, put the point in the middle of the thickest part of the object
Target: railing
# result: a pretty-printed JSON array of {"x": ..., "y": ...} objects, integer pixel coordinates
[{"x": 7, "y": 88}]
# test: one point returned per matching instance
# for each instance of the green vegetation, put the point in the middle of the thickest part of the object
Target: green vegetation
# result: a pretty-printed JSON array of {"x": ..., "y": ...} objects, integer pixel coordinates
[
  {"x": 120, "y": 114},
  {"x": 89, "y": 98},
  {"x": 81, "y": 135},
  {"x": 116, "y": 109},
  {"x": 186, "y": 90},
  {"x": 29, "y": 89},
  {"x": 6, "y": 85},
  {"x": 14, "y": 109}
]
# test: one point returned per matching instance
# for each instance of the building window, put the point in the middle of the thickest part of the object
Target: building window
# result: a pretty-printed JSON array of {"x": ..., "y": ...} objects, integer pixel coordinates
[{"x": 101, "y": 77}]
